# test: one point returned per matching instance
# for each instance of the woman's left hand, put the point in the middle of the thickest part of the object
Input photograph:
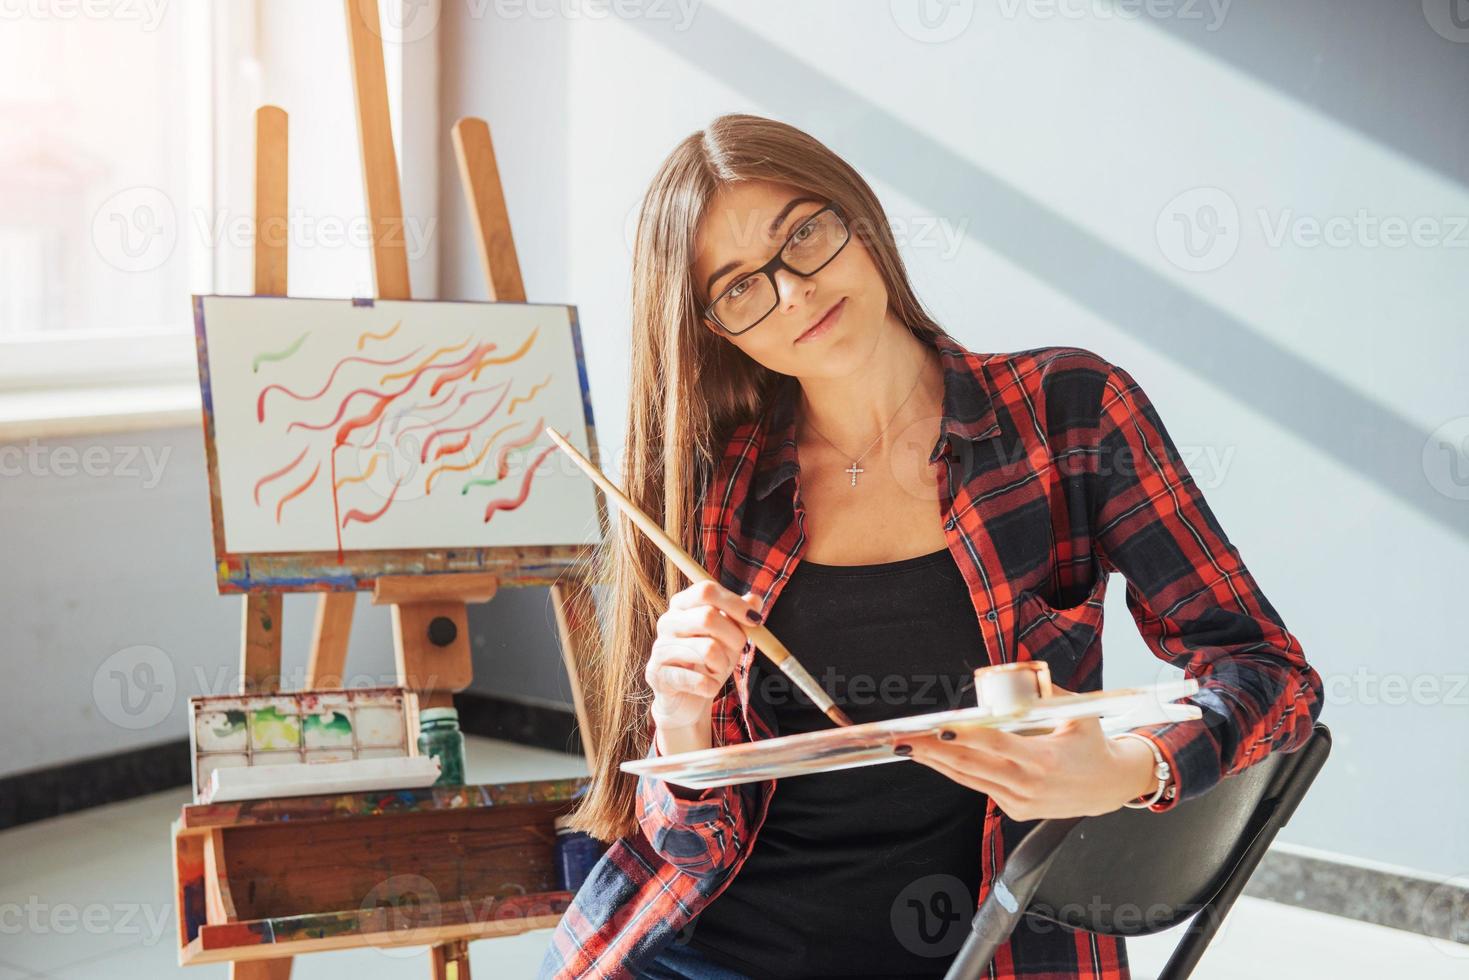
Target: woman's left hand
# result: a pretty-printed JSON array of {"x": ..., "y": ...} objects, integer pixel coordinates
[{"x": 1073, "y": 771}]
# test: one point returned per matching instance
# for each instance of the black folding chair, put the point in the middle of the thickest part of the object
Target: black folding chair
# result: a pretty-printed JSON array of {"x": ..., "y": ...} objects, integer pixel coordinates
[{"x": 1135, "y": 872}]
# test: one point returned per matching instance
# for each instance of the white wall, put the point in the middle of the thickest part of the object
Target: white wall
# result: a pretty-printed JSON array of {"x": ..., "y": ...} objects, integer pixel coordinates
[{"x": 1028, "y": 164}]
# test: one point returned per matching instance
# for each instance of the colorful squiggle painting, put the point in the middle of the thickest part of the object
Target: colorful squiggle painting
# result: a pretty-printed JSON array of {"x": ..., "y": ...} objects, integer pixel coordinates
[{"x": 340, "y": 426}]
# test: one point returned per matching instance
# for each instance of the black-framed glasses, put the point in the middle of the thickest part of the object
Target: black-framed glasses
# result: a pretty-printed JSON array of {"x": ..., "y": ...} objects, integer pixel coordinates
[{"x": 753, "y": 296}]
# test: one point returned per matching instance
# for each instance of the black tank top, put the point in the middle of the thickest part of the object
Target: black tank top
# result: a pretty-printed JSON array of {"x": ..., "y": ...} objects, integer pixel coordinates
[{"x": 871, "y": 871}]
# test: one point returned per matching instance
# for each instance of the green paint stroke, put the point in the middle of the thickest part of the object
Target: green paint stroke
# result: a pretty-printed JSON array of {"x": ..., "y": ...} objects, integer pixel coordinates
[
  {"x": 279, "y": 355},
  {"x": 476, "y": 483},
  {"x": 269, "y": 729},
  {"x": 334, "y": 727},
  {"x": 234, "y": 724}
]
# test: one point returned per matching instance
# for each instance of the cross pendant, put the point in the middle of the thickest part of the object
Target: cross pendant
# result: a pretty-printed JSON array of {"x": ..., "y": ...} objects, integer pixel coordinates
[{"x": 854, "y": 469}]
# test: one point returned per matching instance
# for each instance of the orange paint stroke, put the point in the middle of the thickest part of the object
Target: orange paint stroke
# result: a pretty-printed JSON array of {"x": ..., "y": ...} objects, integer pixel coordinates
[
  {"x": 428, "y": 483},
  {"x": 423, "y": 456},
  {"x": 336, "y": 505},
  {"x": 367, "y": 518},
  {"x": 296, "y": 492},
  {"x": 371, "y": 465},
  {"x": 260, "y": 401},
  {"x": 278, "y": 473},
  {"x": 506, "y": 359},
  {"x": 446, "y": 449},
  {"x": 526, "y": 398},
  {"x": 378, "y": 336},
  {"x": 460, "y": 372},
  {"x": 511, "y": 503},
  {"x": 428, "y": 362},
  {"x": 501, "y": 468}
]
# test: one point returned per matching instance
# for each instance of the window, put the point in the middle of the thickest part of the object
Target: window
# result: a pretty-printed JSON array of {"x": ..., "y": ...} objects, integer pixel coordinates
[{"x": 107, "y": 148}]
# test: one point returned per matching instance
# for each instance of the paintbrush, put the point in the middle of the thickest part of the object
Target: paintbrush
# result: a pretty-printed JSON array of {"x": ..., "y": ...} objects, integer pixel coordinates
[{"x": 764, "y": 640}]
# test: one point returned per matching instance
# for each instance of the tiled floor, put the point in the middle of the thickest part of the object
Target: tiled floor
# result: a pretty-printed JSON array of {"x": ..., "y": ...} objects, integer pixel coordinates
[{"x": 89, "y": 895}]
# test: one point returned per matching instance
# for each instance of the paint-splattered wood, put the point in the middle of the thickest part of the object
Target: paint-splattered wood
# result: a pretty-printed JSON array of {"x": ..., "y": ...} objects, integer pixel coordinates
[
  {"x": 283, "y": 870},
  {"x": 203, "y": 816},
  {"x": 407, "y": 926},
  {"x": 268, "y": 879}
]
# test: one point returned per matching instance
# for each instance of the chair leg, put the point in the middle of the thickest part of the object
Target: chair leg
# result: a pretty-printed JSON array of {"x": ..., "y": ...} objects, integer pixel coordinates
[{"x": 1009, "y": 897}]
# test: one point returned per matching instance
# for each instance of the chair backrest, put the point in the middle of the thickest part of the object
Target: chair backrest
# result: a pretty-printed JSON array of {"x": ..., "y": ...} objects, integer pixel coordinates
[{"x": 1134, "y": 872}]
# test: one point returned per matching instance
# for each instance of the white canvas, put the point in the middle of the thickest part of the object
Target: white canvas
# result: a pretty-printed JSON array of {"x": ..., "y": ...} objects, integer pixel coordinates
[{"x": 388, "y": 496}]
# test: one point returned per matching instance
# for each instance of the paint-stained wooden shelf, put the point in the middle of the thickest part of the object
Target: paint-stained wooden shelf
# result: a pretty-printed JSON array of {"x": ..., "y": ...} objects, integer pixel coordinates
[{"x": 264, "y": 879}]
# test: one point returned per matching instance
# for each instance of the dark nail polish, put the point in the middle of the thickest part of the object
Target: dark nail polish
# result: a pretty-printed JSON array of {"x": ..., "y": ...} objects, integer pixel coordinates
[
  {"x": 903, "y": 749},
  {"x": 752, "y": 616},
  {"x": 947, "y": 735}
]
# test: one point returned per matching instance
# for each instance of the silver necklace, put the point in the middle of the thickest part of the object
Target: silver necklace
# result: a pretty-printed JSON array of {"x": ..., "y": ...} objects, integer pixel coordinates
[{"x": 854, "y": 469}]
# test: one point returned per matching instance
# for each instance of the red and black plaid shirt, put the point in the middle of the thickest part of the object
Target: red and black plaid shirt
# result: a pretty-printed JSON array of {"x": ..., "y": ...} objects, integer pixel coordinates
[{"x": 1056, "y": 472}]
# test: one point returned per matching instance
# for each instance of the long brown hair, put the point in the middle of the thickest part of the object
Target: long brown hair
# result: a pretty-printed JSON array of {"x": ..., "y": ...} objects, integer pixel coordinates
[{"x": 689, "y": 389}]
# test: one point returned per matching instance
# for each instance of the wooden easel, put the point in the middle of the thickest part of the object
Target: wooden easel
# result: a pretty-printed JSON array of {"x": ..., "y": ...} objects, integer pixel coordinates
[{"x": 429, "y": 612}]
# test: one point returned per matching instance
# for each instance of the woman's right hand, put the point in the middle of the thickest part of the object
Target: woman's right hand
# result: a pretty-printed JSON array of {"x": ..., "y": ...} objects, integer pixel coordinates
[{"x": 700, "y": 638}]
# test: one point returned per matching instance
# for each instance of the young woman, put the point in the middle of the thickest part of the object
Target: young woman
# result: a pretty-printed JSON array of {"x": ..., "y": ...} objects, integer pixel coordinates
[{"x": 899, "y": 510}]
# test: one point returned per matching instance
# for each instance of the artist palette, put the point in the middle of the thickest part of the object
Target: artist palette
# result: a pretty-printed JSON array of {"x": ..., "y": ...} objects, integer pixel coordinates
[
  {"x": 872, "y": 743},
  {"x": 233, "y": 731}
]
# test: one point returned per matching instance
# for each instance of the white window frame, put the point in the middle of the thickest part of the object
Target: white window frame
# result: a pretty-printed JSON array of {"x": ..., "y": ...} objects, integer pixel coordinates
[{"x": 97, "y": 380}]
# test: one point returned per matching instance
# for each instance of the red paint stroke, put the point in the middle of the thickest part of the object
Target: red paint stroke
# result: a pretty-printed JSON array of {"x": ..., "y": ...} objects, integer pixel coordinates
[
  {"x": 460, "y": 371},
  {"x": 398, "y": 415},
  {"x": 367, "y": 518},
  {"x": 260, "y": 401},
  {"x": 511, "y": 503},
  {"x": 365, "y": 419},
  {"x": 464, "y": 398},
  {"x": 280, "y": 472},
  {"x": 342, "y": 408},
  {"x": 423, "y": 456},
  {"x": 502, "y": 469},
  {"x": 296, "y": 492},
  {"x": 457, "y": 447}
]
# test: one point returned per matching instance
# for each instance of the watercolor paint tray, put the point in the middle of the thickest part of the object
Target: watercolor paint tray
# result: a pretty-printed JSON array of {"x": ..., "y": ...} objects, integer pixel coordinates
[
  {"x": 872, "y": 743},
  {"x": 301, "y": 727}
]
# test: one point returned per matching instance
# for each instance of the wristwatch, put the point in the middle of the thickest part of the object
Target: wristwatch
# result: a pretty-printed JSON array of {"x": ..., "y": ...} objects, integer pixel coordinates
[{"x": 1161, "y": 769}]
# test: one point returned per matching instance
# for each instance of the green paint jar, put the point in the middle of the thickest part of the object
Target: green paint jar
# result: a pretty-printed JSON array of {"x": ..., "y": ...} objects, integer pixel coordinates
[{"x": 439, "y": 736}]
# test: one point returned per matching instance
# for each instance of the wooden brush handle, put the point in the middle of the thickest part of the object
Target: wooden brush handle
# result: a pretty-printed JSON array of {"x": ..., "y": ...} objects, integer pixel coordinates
[{"x": 764, "y": 640}]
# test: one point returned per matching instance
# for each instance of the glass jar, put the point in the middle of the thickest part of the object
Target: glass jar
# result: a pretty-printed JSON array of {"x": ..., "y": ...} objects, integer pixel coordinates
[{"x": 439, "y": 737}]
